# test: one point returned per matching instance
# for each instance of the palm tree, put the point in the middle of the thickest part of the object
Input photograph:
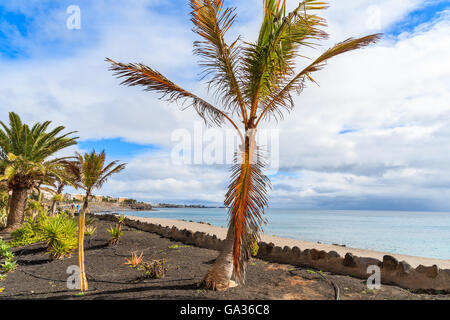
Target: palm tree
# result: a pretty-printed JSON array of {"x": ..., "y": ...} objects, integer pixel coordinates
[
  {"x": 63, "y": 178},
  {"x": 24, "y": 159},
  {"x": 91, "y": 173},
  {"x": 254, "y": 82}
]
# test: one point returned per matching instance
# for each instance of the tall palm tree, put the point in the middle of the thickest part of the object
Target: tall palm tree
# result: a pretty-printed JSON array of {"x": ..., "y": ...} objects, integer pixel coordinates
[
  {"x": 254, "y": 82},
  {"x": 25, "y": 160},
  {"x": 91, "y": 173}
]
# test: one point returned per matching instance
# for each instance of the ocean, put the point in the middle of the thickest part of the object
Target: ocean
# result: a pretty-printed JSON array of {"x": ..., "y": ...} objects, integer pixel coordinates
[{"x": 423, "y": 234}]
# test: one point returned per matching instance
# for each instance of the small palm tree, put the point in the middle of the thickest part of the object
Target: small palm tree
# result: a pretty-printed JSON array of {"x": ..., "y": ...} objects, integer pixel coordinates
[
  {"x": 63, "y": 178},
  {"x": 25, "y": 160},
  {"x": 91, "y": 173},
  {"x": 253, "y": 82}
]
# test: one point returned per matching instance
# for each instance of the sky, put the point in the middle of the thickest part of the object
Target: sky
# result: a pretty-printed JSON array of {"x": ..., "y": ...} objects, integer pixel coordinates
[{"x": 373, "y": 135}]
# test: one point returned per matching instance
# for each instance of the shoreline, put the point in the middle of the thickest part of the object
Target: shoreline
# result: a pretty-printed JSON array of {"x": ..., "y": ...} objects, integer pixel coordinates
[{"x": 220, "y": 232}]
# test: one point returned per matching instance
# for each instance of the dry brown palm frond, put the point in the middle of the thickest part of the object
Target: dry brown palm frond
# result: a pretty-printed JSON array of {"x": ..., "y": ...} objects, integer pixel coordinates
[
  {"x": 151, "y": 80},
  {"x": 212, "y": 21},
  {"x": 246, "y": 199},
  {"x": 282, "y": 99}
]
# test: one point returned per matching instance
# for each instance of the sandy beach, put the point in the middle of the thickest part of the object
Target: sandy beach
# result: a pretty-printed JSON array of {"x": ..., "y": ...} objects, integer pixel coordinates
[{"x": 279, "y": 241}]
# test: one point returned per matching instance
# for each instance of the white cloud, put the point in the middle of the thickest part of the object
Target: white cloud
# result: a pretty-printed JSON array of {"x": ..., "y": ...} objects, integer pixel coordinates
[{"x": 395, "y": 95}]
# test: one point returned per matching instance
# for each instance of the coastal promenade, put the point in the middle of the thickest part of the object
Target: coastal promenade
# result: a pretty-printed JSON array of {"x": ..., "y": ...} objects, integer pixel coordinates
[{"x": 279, "y": 241}]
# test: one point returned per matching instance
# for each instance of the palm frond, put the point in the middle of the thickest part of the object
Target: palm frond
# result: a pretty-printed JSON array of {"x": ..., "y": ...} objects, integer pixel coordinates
[
  {"x": 246, "y": 199},
  {"x": 282, "y": 99},
  {"x": 268, "y": 62},
  {"x": 151, "y": 80},
  {"x": 108, "y": 172},
  {"x": 212, "y": 21},
  {"x": 90, "y": 171}
]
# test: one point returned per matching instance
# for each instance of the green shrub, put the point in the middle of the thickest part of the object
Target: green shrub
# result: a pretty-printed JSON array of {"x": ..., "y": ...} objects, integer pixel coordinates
[
  {"x": 60, "y": 233},
  {"x": 3, "y": 209},
  {"x": 3, "y": 218},
  {"x": 58, "y": 197},
  {"x": 253, "y": 246},
  {"x": 27, "y": 234},
  {"x": 9, "y": 264},
  {"x": 4, "y": 248}
]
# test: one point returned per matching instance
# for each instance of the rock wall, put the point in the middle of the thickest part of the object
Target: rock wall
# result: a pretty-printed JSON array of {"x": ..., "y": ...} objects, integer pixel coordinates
[{"x": 392, "y": 271}]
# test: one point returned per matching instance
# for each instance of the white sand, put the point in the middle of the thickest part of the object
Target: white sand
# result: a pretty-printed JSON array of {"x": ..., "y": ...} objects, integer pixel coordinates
[{"x": 303, "y": 245}]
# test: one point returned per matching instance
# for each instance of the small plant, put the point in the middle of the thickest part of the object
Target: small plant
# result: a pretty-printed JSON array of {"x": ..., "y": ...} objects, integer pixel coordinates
[
  {"x": 4, "y": 197},
  {"x": 7, "y": 255},
  {"x": 89, "y": 230},
  {"x": 79, "y": 294},
  {"x": 253, "y": 247},
  {"x": 4, "y": 248},
  {"x": 34, "y": 207},
  {"x": 311, "y": 271},
  {"x": 89, "y": 220},
  {"x": 155, "y": 269},
  {"x": 177, "y": 246},
  {"x": 135, "y": 260},
  {"x": 8, "y": 266},
  {"x": 60, "y": 232},
  {"x": 3, "y": 218},
  {"x": 116, "y": 232}
]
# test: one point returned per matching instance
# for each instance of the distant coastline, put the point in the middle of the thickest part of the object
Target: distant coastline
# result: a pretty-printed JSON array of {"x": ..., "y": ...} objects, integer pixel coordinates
[{"x": 196, "y": 206}]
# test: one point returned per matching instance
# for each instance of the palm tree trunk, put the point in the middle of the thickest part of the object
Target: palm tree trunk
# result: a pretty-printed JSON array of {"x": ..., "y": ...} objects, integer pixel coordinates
[
  {"x": 53, "y": 207},
  {"x": 16, "y": 209},
  {"x": 219, "y": 275},
  {"x": 54, "y": 202},
  {"x": 81, "y": 225}
]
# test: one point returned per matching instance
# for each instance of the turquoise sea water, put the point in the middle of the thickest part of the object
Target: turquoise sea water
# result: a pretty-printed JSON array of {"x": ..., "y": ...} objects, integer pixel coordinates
[{"x": 423, "y": 234}]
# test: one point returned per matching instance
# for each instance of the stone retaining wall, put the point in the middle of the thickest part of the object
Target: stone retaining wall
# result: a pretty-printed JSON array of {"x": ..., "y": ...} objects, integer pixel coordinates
[{"x": 392, "y": 271}]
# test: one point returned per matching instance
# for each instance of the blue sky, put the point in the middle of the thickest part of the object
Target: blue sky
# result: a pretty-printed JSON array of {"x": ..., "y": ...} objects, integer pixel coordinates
[
  {"x": 116, "y": 148},
  {"x": 427, "y": 12},
  {"x": 69, "y": 73},
  {"x": 28, "y": 20}
]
